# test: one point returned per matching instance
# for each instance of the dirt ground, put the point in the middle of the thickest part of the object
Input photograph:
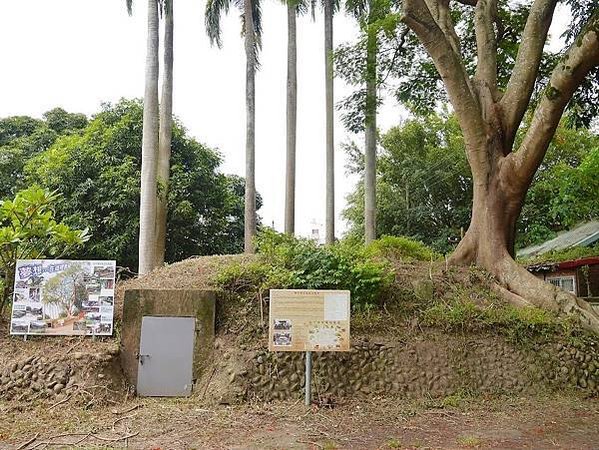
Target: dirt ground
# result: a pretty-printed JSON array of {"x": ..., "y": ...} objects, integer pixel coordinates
[{"x": 542, "y": 422}]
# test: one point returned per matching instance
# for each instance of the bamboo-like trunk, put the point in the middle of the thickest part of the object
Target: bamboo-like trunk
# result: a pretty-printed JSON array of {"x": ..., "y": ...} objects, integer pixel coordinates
[
  {"x": 250, "y": 148},
  {"x": 370, "y": 138},
  {"x": 330, "y": 137},
  {"x": 149, "y": 153},
  {"x": 291, "y": 118},
  {"x": 165, "y": 136}
]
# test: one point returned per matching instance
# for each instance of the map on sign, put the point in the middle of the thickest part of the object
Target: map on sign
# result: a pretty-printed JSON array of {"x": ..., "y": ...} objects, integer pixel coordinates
[
  {"x": 309, "y": 320},
  {"x": 63, "y": 297}
]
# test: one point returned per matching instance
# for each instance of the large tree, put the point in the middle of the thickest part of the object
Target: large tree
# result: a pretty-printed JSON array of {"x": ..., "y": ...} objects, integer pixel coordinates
[
  {"x": 251, "y": 18},
  {"x": 149, "y": 190},
  {"x": 490, "y": 116}
]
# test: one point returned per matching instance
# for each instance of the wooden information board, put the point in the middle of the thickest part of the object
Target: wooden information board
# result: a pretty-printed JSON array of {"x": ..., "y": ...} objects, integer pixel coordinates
[{"x": 309, "y": 320}]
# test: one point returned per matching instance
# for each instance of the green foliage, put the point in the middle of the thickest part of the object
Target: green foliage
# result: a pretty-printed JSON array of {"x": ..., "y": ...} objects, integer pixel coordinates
[
  {"x": 517, "y": 324},
  {"x": 565, "y": 189},
  {"x": 97, "y": 172},
  {"x": 28, "y": 230},
  {"x": 401, "y": 248},
  {"x": 288, "y": 262},
  {"x": 424, "y": 186}
]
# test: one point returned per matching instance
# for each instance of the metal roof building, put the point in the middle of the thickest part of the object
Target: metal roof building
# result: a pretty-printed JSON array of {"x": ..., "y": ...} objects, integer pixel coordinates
[{"x": 582, "y": 236}]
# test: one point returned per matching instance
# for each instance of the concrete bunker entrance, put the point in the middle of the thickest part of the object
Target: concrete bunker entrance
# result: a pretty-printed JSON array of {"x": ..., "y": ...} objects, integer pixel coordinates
[{"x": 145, "y": 306}]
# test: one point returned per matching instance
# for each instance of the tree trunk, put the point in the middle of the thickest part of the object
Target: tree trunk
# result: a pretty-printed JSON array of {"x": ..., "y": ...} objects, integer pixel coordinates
[
  {"x": 489, "y": 243},
  {"x": 330, "y": 137},
  {"x": 370, "y": 144},
  {"x": 291, "y": 118},
  {"x": 149, "y": 153},
  {"x": 165, "y": 136},
  {"x": 250, "y": 149},
  {"x": 7, "y": 291}
]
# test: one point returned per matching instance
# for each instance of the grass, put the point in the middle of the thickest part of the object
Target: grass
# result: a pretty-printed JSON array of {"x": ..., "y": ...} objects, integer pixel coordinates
[
  {"x": 469, "y": 441},
  {"x": 393, "y": 443}
]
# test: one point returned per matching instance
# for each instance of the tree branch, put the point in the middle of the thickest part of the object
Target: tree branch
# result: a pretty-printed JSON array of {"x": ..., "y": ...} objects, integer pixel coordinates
[
  {"x": 521, "y": 85},
  {"x": 468, "y": 2},
  {"x": 570, "y": 72},
  {"x": 450, "y": 66},
  {"x": 486, "y": 44}
]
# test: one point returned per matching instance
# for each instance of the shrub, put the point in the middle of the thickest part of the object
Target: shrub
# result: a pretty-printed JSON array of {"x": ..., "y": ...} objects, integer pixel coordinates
[
  {"x": 28, "y": 230},
  {"x": 288, "y": 262},
  {"x": 401, "y": 248}
]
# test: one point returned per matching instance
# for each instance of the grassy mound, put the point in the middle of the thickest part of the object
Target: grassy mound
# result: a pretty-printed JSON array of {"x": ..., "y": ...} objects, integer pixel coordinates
[{"x": 398, "y": 286}]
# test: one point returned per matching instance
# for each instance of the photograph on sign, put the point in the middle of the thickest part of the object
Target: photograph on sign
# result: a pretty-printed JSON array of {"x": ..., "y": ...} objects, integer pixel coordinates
[
  {"x": 63, "y": 297},
  {"x": 309, "y": 320}
]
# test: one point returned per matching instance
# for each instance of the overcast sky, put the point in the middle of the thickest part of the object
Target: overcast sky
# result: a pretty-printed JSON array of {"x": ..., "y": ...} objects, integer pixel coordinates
[{"x": 77, "y": 54}]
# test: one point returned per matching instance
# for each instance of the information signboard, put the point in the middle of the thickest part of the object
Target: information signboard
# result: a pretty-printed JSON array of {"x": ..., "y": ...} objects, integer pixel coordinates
[
  {"x": 63, "y": 297},
  {"x": 309, "y": 320}
]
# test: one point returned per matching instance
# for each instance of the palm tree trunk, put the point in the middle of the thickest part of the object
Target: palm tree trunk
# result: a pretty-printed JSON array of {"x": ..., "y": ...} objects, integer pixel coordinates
[
  {"x": 330, "y": 138},
  {"x": 147, "y": 207},
  {"x": 250, "y": 148},
  {"x": 370, "y": 153},
  {"x": 291, "y": 118},
  {"x": 165, "y": 136}
]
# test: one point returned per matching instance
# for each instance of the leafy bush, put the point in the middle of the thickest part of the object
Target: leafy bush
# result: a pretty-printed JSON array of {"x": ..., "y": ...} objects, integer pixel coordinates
[
  {"x": 288, "y": 262},
  {"x": 28, "y": 230},
  {"x": 402, "y": 248}
]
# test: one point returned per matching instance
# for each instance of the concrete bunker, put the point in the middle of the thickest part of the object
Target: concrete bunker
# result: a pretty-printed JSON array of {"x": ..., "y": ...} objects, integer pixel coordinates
[{"x": 167, "y": 303}]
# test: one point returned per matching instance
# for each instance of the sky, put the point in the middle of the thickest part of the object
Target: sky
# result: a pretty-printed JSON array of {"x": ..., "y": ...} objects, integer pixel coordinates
[{"x": 77, "y": 54}]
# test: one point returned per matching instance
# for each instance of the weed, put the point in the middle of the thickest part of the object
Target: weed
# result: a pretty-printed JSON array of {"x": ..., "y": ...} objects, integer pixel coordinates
[
  {"x": 393, "y": 443},
  {"x": 469, "y": 441}
]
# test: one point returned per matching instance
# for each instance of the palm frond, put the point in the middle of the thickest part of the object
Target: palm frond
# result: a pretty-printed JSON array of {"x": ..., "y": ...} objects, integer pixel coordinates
[
  {"x": 257, "y": 22},
  {"x": 214, "y": 10},
  {"x": 356, "y": 8}
]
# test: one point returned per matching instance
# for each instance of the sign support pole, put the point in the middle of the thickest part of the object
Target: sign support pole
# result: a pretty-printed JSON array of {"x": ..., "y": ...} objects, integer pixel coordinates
[{"x": 308, "y": 384}]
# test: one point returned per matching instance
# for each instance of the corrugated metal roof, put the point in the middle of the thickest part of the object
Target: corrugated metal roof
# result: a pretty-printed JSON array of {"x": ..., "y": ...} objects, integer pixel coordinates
[{"x": 581, "y": 236}]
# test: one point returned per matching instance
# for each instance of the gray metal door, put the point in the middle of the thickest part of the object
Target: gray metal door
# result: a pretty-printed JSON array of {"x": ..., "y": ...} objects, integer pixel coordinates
[{"x": 166, "y": 356}]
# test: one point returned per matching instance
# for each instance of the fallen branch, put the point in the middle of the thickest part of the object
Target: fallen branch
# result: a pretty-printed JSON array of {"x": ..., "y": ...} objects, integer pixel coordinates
[
  {"x": 121, "y": 438},
  {"x": 133, "y": 408},
  {"x": 316, "y": 444},
  {"x": 29, "y": 442},
  {"x": 122, "y": 418},
  {"x": 66, "y": 399}
]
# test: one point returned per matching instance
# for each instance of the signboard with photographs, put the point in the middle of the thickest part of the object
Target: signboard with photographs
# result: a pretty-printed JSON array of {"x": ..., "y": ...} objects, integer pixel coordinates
[
  {"x": 309, "y": 320},
  {"x": 62, "y": 297}
]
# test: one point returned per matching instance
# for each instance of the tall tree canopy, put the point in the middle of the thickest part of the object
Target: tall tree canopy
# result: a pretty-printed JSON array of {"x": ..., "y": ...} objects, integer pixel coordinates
[{"x": 97, "y": 171}]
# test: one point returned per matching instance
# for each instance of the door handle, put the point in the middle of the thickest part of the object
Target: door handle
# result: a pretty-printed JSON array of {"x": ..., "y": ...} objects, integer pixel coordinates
[{"x": 141, "y": 358}]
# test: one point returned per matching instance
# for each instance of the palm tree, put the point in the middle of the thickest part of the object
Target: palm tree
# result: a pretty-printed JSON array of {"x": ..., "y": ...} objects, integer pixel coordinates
[
  {"x": 251, "y": 17},
  {"x": 329, "y": 6},
  {"x": 147, "y": 208},
  {"x": 368, "y": 13},
  {"x": 158, "y": 121},
  {"x": 165, "y": 134},
  {"x": 292, "y": 9}
]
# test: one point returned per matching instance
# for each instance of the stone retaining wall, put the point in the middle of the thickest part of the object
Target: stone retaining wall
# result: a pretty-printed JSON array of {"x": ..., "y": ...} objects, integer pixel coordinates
[{"x": 428, "y": 365}]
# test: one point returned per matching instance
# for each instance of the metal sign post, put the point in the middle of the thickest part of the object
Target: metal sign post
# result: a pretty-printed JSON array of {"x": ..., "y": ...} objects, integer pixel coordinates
[{"x": 308, "y": 389}]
